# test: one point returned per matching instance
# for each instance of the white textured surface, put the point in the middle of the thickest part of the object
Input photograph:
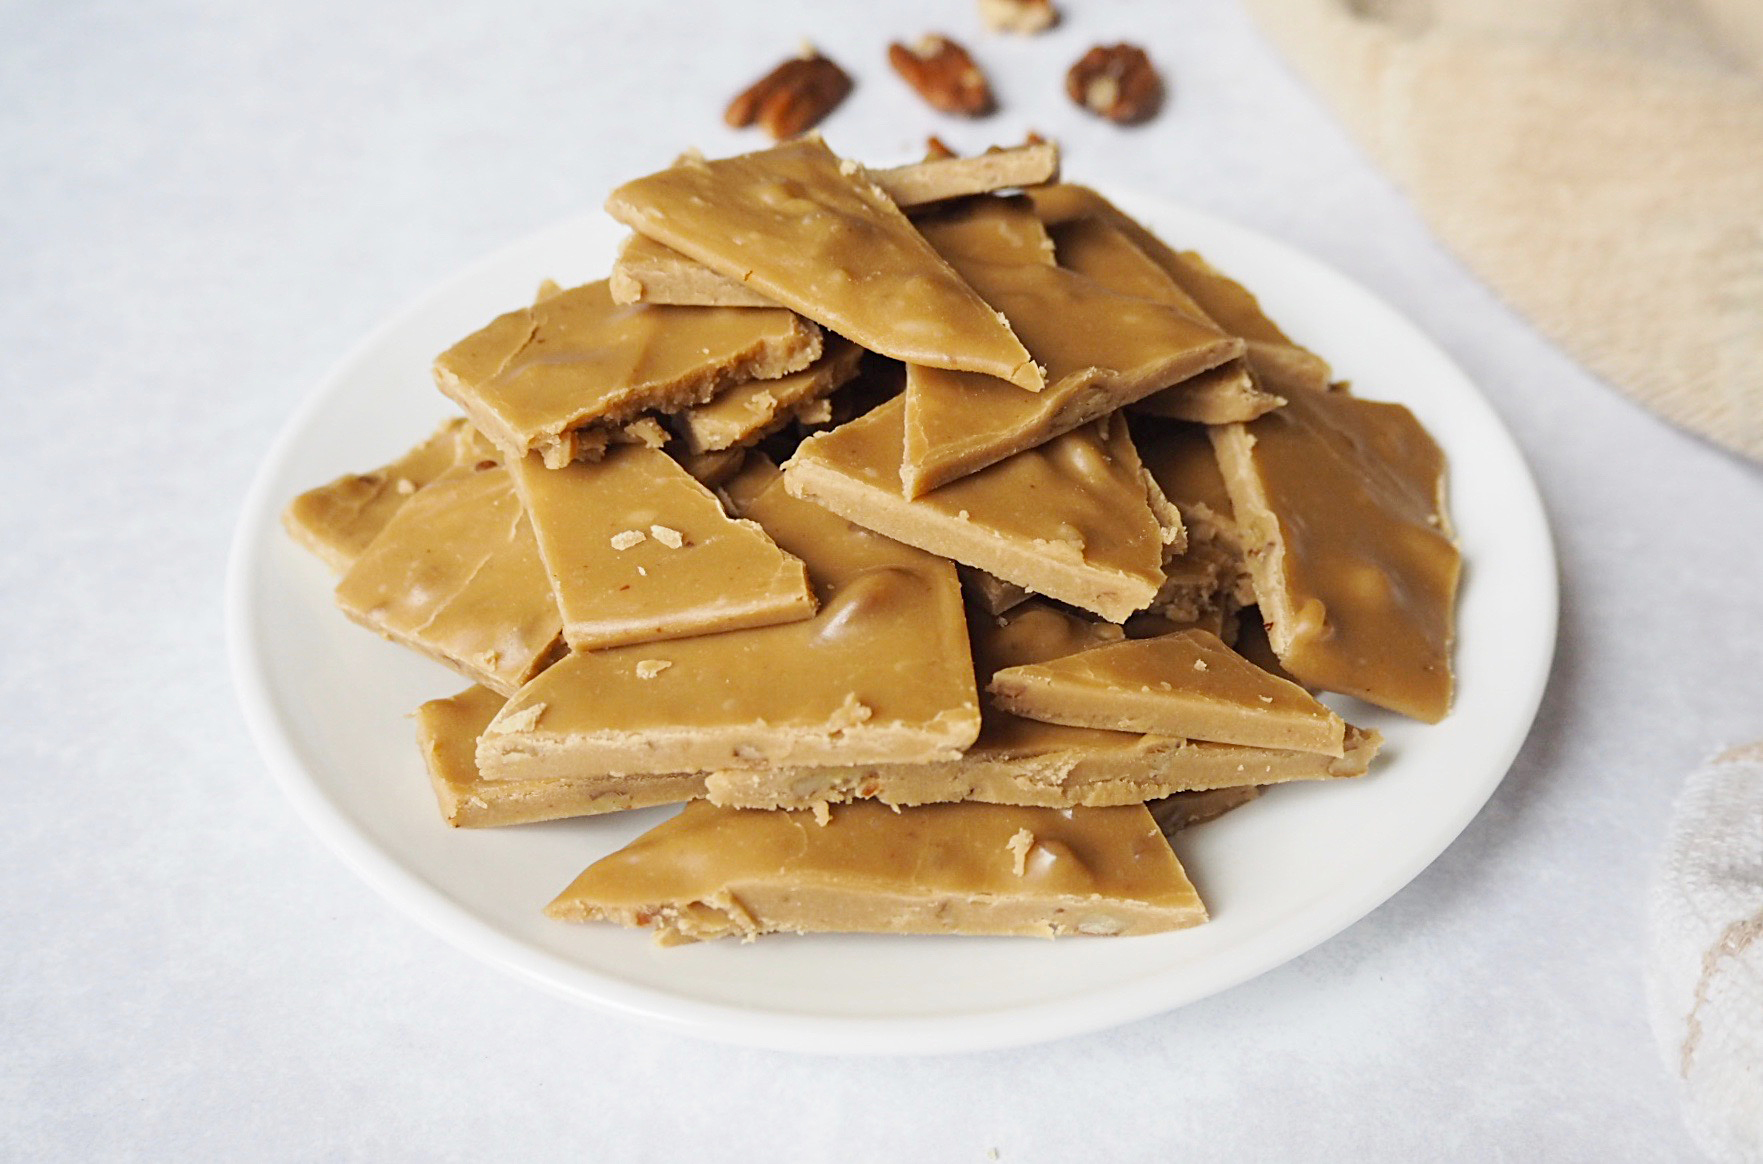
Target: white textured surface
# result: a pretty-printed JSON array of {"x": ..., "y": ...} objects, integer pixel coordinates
[
  {"x": 203, "y": 206},
  {"x": 1705, "y": 969}
]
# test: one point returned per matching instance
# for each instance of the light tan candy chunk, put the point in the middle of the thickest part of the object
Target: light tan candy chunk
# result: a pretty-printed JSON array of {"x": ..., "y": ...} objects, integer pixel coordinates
[
  {"x": 456, "y": 575},
  {"x": 336, "y": 521},
  {"x": 814, "y": 234},
  {"x": 689, "y": 569},
  {"x": 1071, "y": 519},
  {"x": 1186, "y": 684},
  {"x": 532, "y": 377},
  {"x": 447, "y": 732},
  {"x": 938, "y": 869},
  {"x": 1341, "y": 502}
]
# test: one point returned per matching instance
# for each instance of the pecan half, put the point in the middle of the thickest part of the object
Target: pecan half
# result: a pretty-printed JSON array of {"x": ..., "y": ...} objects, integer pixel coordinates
[
  {"x": 791, "y": 98},
  {"x": 944, "y": 75},
  {"x": 1024, "y": 16},
  {"x": 1117, "y": 82}
]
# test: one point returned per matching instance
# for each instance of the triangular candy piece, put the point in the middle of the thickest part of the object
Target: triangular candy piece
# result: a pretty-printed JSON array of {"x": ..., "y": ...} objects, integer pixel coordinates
[
  {"x": 639, "y": 551},
  {"x": 1076, "y": 519},
  {"x": 1099, "y": 249},
  {"x": 1279, "y": 363},
  {"x": 1187, "y": 684},
  {"x": 456, "y": 575},
  {"x": 338, "y": 520},
  {"x": 814, "y": 234},
  {"x": 937, "y": 869}
]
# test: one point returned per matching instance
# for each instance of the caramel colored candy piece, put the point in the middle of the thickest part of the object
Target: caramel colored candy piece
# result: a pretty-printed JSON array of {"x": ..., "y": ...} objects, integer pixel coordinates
[
  {"x": 1101, "y": 351},
  {"x": 1211, "y": 573},
  {"x": 638, "y": 551},
  {"x": 881, "y": 673},
  {"x": 1283, "y": 364},
  {"x": 1181, "y": 459},
  {"x": 1101, "y": 250},
  {"x": 1288, "y": 368},
  {"x": 1278, "y": 362},
  {"x": 997, "y": 230},
  {"x": 648, "y": 272},
  {"x": 742, "y": 414},
  {"x": 939, "y": 869},
  {"x": 1072, "y": 519},
  {"x": 1184, "y": 810},
  {"x": 1222, "y": 395},
  {"x": 1187, "y": 684},
  {"x": 447, "y": 731},
  {"x": 1350, "y": 549},
  {"x": 533, "y": 376},
  {"x": 1251, "y": 643},
  {"x": 1093, "y": 245},
  {"x": 922, "y": 183},
  {"x": 338, "y": 520},
  {"x": 712, "y": 469},
  {"x": 959, "y": 424},
  {"x": 814, "y": 234},
  {"x": 993, "y": 594},
  {"x": 456, "y": 575},
  {"x": 1028, "y": 762}
]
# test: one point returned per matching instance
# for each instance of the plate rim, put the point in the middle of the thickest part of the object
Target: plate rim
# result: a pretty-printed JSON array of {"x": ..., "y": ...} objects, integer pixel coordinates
[{"x": 1011, "y": 1025}]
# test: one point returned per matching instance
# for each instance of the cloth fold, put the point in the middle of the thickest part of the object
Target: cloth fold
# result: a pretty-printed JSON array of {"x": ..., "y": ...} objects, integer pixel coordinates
[
  {"x": 1598, "y": 162},
  {"x": 1705, "y": 969}
]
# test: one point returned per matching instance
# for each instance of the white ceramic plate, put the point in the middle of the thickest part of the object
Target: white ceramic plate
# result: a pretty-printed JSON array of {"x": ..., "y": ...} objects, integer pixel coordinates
[{"x": 328, "y": 703}]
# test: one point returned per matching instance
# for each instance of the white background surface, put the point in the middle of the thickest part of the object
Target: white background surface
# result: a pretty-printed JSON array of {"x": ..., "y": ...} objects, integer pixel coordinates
[{"x": 202, "y": 207}]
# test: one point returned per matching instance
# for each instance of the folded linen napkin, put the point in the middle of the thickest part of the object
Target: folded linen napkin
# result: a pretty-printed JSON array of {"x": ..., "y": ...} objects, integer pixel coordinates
[
  {"x": 1599, "y": 162},
  {"x": 1705, "y": 970}
]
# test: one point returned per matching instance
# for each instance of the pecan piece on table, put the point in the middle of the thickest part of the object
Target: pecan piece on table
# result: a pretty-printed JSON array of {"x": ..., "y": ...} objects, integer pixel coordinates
[
  {"x": 943, "y": 73},
  {"x": 791, "y": 98},
  {"x": 1117, "y": 82},
  {"x": 1024, "y": 16}
]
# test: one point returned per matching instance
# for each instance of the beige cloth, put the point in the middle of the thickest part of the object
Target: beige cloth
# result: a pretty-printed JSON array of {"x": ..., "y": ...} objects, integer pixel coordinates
[{"x": 1600, "y": 162}]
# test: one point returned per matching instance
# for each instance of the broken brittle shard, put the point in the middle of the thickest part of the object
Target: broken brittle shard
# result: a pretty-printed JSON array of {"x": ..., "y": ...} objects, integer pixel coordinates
[
  {"x": 937, "y": 869},
  {"x": 531, "y": 379},
  {"x": 814, "y": 234},
  {"x": 637, "y": 551},
  {"x": 447, "y": 732},
  {"x": 338, "y": 520},
  {"x": 1341, "y": 504},
  {"x": 456, "y": 575},
  {"x": 743, "y": 413},
  {"x": 1072, "y": 519},
  {"x": 1098, "y": 248},
  {"x": 1185, "y": 684}
]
